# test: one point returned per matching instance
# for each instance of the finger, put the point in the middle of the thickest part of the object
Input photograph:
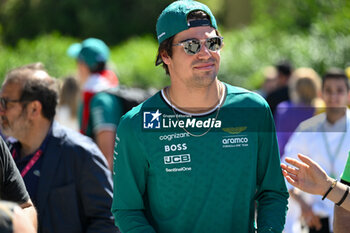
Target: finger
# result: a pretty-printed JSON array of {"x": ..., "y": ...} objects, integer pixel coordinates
[
  {"x": 290, "y": 179},
  {"x": 295, "y": 163},
  {"x": 286, "y": 173},
  {"x": 306, "y": 160},
  {"x": 290, "y": 169},
  {"x": 309, "y": 162}
]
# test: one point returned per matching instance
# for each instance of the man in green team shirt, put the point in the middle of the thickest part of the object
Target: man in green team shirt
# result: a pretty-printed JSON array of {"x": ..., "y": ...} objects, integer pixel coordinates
[{"x": 199, "y": 155}]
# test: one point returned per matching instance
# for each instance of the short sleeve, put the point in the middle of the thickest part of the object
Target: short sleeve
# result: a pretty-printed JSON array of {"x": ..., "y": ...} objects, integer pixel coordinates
[
  {"x": 13, "y": 188},
  {"x": 106, "y": 111}
]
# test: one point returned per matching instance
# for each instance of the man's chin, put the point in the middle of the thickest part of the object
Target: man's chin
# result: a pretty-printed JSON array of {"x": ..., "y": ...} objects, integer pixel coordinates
[{"x": 5, "y": 131}]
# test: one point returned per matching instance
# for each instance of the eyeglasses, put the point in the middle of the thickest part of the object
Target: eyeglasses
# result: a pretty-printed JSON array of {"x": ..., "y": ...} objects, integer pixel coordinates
[
  {"x": 193, "y": 46},
  {"x": 4, "y": 101}
]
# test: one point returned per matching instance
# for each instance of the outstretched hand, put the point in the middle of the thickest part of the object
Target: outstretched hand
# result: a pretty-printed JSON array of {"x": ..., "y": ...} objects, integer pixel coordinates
[{"x": 306, "y": 175}]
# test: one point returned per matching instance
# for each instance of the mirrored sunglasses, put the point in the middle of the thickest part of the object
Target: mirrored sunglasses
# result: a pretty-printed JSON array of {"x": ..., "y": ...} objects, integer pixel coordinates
[{"x": 193, "y": 46}]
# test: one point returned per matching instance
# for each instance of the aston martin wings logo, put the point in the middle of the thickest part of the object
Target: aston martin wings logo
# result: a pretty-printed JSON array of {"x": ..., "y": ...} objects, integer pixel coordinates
[{"x": 235, "y": 130}]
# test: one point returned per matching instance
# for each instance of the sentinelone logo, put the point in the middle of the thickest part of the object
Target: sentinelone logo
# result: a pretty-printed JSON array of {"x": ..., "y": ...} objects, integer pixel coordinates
[{"x": 155, "y": 120}]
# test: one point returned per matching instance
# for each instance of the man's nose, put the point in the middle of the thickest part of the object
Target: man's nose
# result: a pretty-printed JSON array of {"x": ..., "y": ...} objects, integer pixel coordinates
[{"x": 204, "y": 51}]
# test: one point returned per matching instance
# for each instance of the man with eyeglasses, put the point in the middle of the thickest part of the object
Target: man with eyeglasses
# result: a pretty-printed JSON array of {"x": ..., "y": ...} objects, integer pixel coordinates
[
  {"x": 199, "y": 154},
  {"x": 65, "y": 173}
]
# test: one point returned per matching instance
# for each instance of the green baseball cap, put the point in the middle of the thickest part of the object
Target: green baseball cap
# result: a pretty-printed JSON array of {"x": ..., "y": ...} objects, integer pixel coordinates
[
  {"x": 173, "y": 20},
  {"x": 91, "y": 51}
]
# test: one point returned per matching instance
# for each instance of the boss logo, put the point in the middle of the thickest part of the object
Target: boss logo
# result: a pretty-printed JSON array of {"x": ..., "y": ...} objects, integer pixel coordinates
[
  {"x": 185, "y": 158},
  {"x": 175, "y": 147}
]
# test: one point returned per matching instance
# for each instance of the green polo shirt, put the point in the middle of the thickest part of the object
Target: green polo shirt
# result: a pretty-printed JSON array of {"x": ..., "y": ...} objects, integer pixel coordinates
[{"x": 169, "y": 179}]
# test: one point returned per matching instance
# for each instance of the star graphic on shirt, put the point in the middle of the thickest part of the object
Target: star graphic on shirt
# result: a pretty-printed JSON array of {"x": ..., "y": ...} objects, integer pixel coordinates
[{"x": 156, "y": 115}]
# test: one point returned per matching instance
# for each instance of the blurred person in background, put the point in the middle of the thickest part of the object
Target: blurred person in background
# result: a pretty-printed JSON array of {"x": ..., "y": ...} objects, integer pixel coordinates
[
  {"x": 326, "y": 139},
  {"x": 106, "y": 109},
  {"x": 92, "y": 56},
  {"x": 307, "y": 175},
  {"x": 67, "y": 108},
  {"x": 65, "y": 173},
  {"x": 284, "y": 71},
  {"x": 269, "y": 83},
  {"x": 304, "y": 91}
]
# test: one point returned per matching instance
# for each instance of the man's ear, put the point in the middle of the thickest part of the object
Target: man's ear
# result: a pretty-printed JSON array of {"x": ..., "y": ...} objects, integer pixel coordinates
[
  {"x": 165, "y": 57},
  {"x": 34, "y": 109}
]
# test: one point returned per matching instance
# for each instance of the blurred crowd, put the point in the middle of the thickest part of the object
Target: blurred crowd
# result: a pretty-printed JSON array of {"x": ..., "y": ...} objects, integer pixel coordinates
[{"x": 312, "y": 118}]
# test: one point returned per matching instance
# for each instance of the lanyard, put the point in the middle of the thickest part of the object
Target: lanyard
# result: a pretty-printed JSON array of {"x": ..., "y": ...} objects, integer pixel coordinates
[
  {"x": 332, "y": 157},
  {"x": 31, "y": 162}
]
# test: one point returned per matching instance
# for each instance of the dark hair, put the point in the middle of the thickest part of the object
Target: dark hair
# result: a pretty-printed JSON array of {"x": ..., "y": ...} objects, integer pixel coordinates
[
  {"x": 35, "y": 84},
  {"x": 167, "y": 45},
  {"x": 335, "y": 73},
  {"x": 98, "y": 67},
  {"x": 285, "y": 68},
  {"x": 69, "y": 94}
]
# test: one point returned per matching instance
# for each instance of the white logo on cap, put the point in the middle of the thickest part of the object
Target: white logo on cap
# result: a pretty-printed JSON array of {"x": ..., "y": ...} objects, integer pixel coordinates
[{"x": 162, "y": 34}]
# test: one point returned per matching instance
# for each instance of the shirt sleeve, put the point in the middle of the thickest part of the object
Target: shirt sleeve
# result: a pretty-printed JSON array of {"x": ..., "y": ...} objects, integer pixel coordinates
[
  {"x": 106, "y": 111},
  {"x": 96, "y": 192},
  {"x": 130, "y": 175},
  {"x": 271, "y": 195},
  {"x": 14, "y": 188}
]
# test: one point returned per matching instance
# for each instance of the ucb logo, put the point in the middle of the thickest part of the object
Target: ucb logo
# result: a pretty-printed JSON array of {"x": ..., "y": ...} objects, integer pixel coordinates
[{"x": 186, "y": 158}]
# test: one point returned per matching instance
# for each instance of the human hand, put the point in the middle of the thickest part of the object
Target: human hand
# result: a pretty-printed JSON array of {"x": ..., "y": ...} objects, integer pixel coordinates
[{"x": 306, "y": 175}]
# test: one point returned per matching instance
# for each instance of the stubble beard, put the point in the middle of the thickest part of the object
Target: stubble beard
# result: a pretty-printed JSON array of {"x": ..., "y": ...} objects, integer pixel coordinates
[
  {"x": 17, "y": 128},
  {"x": 206, "y": 78},
  {"x": 203, "y": 80}
]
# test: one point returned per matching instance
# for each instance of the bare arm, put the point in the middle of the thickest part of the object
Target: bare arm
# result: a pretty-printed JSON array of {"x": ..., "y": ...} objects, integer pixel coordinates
[
  {"x": 105, "y": 140},
  {"x": 308, "y": 176},
  {"x": 341, "y": 220},
  {"x": 29, "y": 210},
  {"x": 22, "y": 221}
]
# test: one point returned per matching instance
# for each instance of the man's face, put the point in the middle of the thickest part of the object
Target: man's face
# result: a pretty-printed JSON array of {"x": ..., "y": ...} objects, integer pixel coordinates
[
  {"x": 13, "y": 116},
  {"x": 83, "y": 72},
  {"x": 198, "y": 70},
  {"x": 335, "y": 93}
]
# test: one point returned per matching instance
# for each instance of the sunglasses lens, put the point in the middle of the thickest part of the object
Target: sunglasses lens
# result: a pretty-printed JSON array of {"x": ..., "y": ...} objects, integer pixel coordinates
[
  {"x": 214, "y": 44},
  {"x": 192, "y": 46}
]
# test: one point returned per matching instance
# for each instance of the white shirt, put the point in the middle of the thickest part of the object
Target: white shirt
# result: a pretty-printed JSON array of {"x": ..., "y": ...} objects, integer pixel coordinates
[{"x": 326, "y": 144}]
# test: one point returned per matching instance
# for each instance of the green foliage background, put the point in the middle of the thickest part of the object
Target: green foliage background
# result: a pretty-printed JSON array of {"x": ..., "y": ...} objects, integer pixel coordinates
[{"x": 308, "y": 33}]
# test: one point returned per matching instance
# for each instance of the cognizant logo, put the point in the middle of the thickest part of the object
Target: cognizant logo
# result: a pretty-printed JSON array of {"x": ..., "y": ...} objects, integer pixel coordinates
[{"x": 170, "y": 137}]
